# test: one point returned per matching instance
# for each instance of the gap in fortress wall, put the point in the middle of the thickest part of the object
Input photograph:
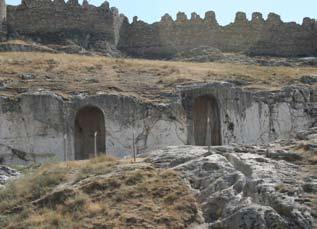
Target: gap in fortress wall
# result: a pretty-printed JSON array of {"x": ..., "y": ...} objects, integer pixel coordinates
[{"x": 96, "y": 27}]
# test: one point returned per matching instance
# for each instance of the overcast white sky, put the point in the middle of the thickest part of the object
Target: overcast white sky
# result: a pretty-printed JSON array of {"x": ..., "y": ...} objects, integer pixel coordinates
[{"x": 152, "y": 10}]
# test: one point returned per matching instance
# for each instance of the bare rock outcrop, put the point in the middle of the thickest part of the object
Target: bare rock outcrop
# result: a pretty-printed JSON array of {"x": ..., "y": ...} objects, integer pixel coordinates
[
  {"x": 239, "y": 186},
  {"x": 7, "y": 173}
]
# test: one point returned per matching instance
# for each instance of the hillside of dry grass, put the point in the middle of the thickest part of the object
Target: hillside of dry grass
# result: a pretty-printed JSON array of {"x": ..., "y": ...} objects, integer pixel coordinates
[
  {"x": 147, "y": 80},
  {"x": 100, "y": 193}
]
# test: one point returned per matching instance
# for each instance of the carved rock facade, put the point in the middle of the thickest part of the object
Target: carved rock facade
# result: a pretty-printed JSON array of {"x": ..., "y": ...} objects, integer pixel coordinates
[{"x": 42, "y": 126}]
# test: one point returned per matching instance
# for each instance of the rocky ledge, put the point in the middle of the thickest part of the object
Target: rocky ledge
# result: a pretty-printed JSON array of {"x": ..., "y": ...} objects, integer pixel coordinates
[
  {"x": 241, "y": 186},
  {"x": 6, "y": 174}
]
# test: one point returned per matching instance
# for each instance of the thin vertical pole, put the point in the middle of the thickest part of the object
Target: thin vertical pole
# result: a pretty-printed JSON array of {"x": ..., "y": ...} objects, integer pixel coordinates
[
  {"x": 65, "y": 148},
  {"x": 208, "y": 134},
  {"x": 95, "y": 143},
  {"x": 133, "y": 147},
  {"x": 106, "y": 141}
]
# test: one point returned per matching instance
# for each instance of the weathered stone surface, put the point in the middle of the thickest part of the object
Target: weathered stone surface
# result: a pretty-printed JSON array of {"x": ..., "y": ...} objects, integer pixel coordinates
[
  {"x": 27, "y": 76},
  {"x": 39, "y": 126},
  {"x": 57, "y": 22},
  {"x": 263, "y": 116},
  {"x": 256, "y": 37},
  {"x": 87, "y": 25},
  {"x": 6, "y": 174},
  {"x": 309, "y": 79},
  {"x": 311, "y": 185},
  {"x": 239, "y": 188}
]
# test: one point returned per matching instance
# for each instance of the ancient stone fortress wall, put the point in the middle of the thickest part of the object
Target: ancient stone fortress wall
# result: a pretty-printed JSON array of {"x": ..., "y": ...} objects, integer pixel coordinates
[
  {"x": 258, "y": 36},
  {"x": 43, "y": 126},
  {"x": 56, "y": 21},
  {"x": 91, "y": 27},
  {"x": 3, "y": 15}
]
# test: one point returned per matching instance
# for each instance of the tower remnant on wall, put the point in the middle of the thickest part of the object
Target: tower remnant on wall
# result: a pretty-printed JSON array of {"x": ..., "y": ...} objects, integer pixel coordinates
[
  {"x": 61, "y": 21},
  {"x": 3, "y": 16}
]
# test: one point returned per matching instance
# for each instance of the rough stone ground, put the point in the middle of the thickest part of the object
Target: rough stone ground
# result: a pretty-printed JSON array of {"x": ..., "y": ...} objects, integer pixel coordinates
[
  {"x": 304, "y": 153},
  {"x": 249, "y": 186}
]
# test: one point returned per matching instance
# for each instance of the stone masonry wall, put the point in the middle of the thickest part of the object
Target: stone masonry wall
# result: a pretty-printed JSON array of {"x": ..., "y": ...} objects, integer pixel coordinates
[
  {"x": 57, "y": 21},
  {"x": 92, "y": 27},
  {"x": 258, "y": 37}
]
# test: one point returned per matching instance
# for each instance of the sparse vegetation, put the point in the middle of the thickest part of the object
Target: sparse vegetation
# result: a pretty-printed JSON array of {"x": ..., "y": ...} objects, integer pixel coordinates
[
  {"x": 100, "y": 193},
  {"x": 143, "y": 79}
]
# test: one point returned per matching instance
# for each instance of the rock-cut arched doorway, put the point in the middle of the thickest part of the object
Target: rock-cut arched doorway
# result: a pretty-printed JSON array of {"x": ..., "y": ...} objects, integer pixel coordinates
[
  {"x": 206, "y": 121},
  {"x": 89, "y": 133}
]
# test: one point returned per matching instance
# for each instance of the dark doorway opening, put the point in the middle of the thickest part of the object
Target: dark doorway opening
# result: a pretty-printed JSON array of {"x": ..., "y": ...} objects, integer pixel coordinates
[
  {"x": 89, "y": 133},
  {"x": 206, "y": 121}
]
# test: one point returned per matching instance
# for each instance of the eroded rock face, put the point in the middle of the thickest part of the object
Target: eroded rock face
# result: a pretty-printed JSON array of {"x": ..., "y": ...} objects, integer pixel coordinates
[{"x": 240, "y": 187}]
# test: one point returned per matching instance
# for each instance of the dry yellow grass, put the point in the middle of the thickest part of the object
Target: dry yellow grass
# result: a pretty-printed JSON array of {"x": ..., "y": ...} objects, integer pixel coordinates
[
  {"x": 100, "y": 193},
  {"x": 144, "y": 79}
]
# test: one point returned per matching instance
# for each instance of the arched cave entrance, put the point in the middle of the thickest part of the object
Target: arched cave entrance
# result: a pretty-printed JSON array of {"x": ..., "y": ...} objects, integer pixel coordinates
[
  {"x": 206, "y": 132},
  {"x": 89, "y": 122}
]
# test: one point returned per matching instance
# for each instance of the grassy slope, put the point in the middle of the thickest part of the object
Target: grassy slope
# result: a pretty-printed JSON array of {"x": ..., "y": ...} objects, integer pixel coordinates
[
  {"x": 100, "y": 193},
  {"x": 145, "y": 79}
]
